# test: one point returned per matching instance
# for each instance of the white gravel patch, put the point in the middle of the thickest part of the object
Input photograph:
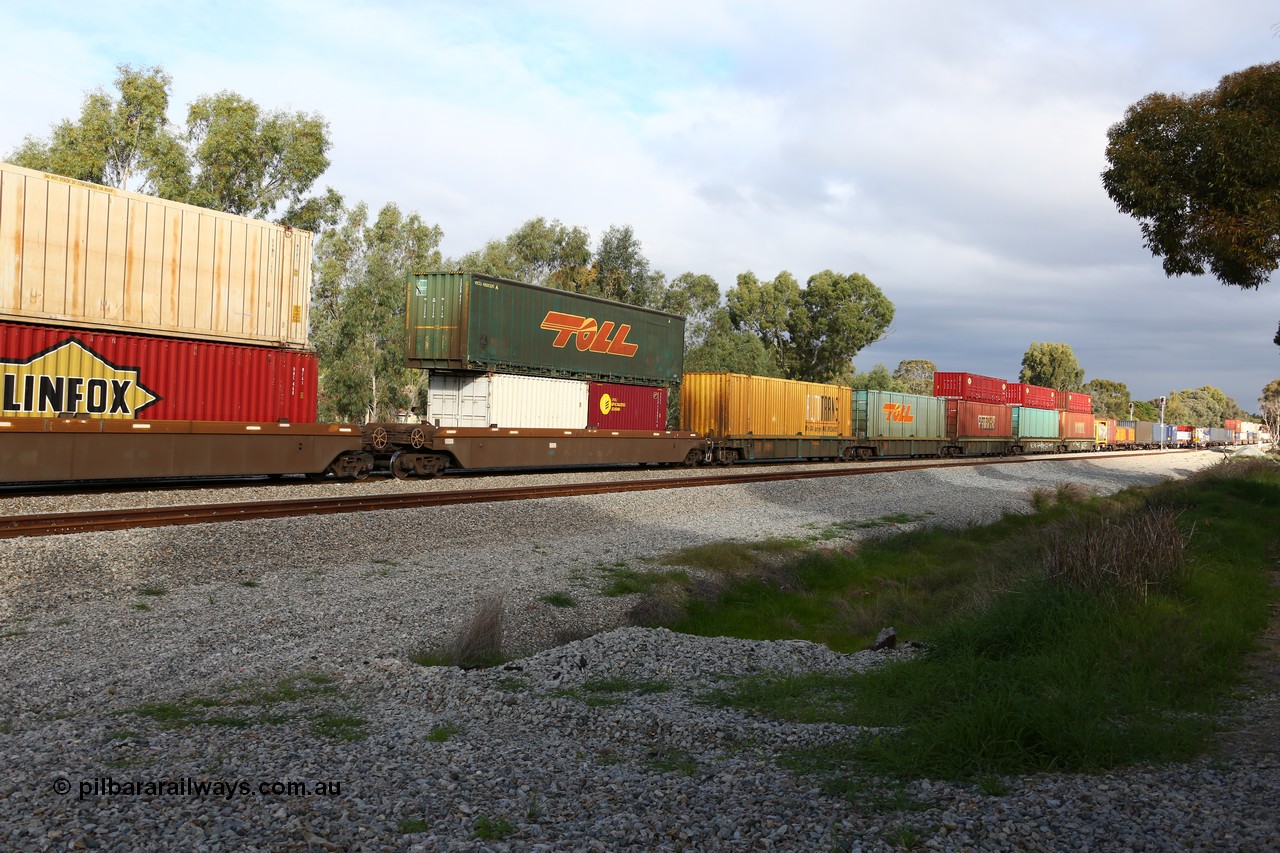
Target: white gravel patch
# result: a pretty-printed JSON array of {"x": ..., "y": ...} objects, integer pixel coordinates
[{"x": 94, "y": 626}]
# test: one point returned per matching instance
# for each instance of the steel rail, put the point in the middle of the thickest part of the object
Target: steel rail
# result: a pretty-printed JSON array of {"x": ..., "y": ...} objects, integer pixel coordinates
[{"x": 55, "y": 524}]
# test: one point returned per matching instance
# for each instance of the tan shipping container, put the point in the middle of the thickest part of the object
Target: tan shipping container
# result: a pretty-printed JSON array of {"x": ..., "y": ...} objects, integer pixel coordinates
[
  {"x": 83, "y": 255},
  {"x": 734, "y": 404}
]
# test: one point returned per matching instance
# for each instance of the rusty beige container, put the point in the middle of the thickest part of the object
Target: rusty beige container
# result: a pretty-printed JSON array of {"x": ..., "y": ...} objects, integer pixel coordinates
[
  {"x": 83, "y": 255},
  {"x": 720, "y": 405}
]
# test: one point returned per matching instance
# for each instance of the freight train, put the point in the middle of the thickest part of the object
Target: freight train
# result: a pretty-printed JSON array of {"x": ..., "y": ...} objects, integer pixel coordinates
[{"x": 143, "y": 338}]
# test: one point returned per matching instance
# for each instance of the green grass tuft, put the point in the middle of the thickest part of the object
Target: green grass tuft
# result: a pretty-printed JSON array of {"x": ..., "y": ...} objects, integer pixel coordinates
[{"x": 1098, "y": 633}]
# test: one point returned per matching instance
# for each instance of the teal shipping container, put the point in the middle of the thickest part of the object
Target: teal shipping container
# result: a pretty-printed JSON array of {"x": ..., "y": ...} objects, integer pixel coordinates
[
  {"x": 465, "y": 321},
  {"x": 887, "y": 414},
  {"x": 1035, "y": 423}
]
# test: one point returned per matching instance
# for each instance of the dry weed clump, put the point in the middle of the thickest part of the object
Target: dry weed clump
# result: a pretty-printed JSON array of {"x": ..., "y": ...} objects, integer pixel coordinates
[
  {"x": 1242, "y": 467},
  {"x": 1063, "y": 494},
  {"x": 1124, "y": 555},
  {"x": 479, "y": 643}
]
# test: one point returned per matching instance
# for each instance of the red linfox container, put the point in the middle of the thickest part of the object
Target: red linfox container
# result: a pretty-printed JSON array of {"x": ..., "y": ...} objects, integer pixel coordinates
[
  {"x": 1075, "y": 425},
  {"x": 969, "y": 419},
  {"x": 1074, "y": 401},
  {"x": 49, "y": 371},
  {"x": 614, "y": 406},
  {"x": 1032, "y": 396},
  {"x": 970, "y": 386}
]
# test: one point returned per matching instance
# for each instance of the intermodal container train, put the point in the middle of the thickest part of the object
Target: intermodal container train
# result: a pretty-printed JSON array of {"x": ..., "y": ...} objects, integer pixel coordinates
[{"x": 159, "y": 339}]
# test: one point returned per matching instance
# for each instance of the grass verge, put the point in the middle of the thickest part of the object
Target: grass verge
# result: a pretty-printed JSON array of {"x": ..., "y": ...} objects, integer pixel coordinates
[{"x": 1093, "y": 633}]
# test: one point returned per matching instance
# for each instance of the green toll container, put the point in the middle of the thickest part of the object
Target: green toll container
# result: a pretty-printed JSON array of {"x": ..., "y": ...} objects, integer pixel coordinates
[
  {"x": 472, "y": 322},
  {"x": 888, "y": 414}
]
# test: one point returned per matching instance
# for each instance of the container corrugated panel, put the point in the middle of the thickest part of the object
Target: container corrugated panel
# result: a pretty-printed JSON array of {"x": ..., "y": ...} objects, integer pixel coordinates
[
  {"x": 972, "y": 419},
  {"x": 1146, "y": 432},
  {"x": 1033, "y": 422},
  {"x": 1074, "y": 401},
  {"x": 1232, "y": 424},
  {"x": 505, "y": 400},
  {"x": 887, "y": 414},
  {"x": 87, "y": 256},
  {"x": 1075, "y": 425},
  {"x": 970, "y": 386},
  {"x": 460, "y": 321},
  {"x": 1034, "y": 396},
  {"x": 50, "y": 370},
  {"x": 1125, "y": 434},
  {"x": 725, "y": 404},
  {"x": 611, "y": 405}
]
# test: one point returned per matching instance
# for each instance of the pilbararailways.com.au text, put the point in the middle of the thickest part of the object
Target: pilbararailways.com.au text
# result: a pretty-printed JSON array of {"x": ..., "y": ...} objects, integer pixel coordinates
[{"x": 187, "y": 786}]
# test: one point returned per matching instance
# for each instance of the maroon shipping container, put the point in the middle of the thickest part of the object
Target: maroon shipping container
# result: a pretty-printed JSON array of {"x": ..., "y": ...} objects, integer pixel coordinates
[
  {"x": 614, "y": 406},
  {"x": 1074, "y": 401},
  {"x": 967, "y": 419},
  {"x": 969, "y": 386},
  {"x": 1232, "y": 424},
  {"x": 1032, "y": 396},
  {"x": 1075, "y": 425},
  {"x": 49, "y": 371}
]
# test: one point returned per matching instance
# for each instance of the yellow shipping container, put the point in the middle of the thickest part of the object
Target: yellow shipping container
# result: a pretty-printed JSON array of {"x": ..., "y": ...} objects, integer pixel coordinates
[
  {"x": 83, "y": 255},
  {"x": 734, "y": 404}
]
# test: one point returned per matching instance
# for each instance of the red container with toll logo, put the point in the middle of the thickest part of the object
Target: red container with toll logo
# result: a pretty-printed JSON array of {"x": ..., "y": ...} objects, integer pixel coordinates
[
  {"x": 47, "y": 371},
  {"x": 1032, "y": 396},
  {"x": 970, "y": 386},
  {"x": 614, "y": 406}
]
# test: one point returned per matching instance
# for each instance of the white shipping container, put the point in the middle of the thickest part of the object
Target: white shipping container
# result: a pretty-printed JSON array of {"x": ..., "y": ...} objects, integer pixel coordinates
[
  {"x": 506, "y": 400},
  {"x": 83, "y": 255}
]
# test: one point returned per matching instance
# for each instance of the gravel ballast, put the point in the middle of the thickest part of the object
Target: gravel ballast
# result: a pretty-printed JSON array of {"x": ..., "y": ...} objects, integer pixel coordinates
[{"x": 165, "y": 688}]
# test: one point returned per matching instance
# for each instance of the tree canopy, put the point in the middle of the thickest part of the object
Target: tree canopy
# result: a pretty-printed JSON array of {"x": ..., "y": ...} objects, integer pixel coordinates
[
  {"x": 358, "y": 306},
  {"x": 232, "y": 156},
  {"x": 1052, "y": 366},
  {"x": 1201, "y": 173},
  {"x": 1110, "y": 398},
  {"x": 915, "y": 376},
  {"x": 812, "y": 333}
]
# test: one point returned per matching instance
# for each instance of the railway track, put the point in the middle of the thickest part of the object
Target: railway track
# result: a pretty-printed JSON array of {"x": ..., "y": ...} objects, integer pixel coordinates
[{"x": 55, "y": 524}]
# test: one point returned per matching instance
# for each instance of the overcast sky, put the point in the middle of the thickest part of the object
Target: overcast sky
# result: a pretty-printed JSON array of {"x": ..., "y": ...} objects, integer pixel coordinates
[{"x": 949, "y": 151}]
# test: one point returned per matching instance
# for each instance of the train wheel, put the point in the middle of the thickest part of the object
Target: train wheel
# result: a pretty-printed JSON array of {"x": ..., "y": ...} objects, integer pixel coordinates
[
  {"x": 692, "y": 458},
  {"x": 429, "y": 465},
  {"x": 318, "y": 477},
  {"x": 402, "y": 467}
]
